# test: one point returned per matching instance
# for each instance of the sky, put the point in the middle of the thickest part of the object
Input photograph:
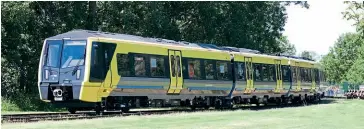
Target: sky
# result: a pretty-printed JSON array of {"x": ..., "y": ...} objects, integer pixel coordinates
[{"x": 317, "y": 28}]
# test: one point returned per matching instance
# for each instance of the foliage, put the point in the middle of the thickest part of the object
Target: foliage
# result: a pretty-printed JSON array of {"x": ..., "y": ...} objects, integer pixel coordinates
[
  {"x": 339, "y": 61},
  {"x": 24, "y": 26},
  {"x": 286, "y": 47},
  {"x": 309, "y": 54},
  {"x": 355, "y": 11},
  {"x": 356, "y": 72},
  {"x": 26, "y": 102},
  {"x": 345, "y": 60},
  {"x": 237, "y": 24},
  {"x": 7, "y": 105}
]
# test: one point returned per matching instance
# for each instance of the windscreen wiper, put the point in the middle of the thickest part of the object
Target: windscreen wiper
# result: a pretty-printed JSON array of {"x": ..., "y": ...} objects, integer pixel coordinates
[{"x": 78, "y": 63}]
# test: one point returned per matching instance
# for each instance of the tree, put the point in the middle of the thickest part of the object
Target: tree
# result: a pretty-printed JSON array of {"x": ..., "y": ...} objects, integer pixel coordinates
[
  {"x": 309, "y": 55},
  {"x": 286, "y": 47},
  {"x": 342, "y": 56},
  {"x": 355, "y": 11},
  {"x": 91, "y": 24},
  {"x": 355, "y": 74}
]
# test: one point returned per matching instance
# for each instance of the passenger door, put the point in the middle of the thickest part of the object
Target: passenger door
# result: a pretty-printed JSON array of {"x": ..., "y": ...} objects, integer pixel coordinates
[
  {"x": 176, "y": 78},
  {"x": 249, "y": 75},
  {"x": 278, "y": 68},
  {"x": 313, "y": 78}
]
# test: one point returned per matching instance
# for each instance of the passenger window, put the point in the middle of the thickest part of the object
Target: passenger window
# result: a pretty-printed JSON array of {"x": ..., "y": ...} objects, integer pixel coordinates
[
  {"x": 157, "y": 67},
  {"x": 194, "y": 69},
  {"x": 271, "y": 72},
  {"x": 123, "y": 65},
  {"x": 209, "y": 69},
  {"x": 257, "y": 72},
  {"x": 305, "y": 75},
  {"x": 240, "y": 71},
  {"x": 309, "y": 74},
  {"x": 302, "y": 74},
  {"x": 139, "y": 66},
  {"x": 265, "y": 73},
  {"x": 285, "y": 73},
  {"x": 178, "y": 66},
  {"x": 294, "y": 74},
  {"x": 222, "y": 68},
  {"x": 317, "y": 75}
]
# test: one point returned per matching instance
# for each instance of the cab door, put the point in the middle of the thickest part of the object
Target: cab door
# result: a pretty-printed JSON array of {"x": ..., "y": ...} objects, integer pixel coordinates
[
  {"x": 106, "y": 53},
  {"x": 249, "y": 75},
  {"x": 101, "y": 67},
  {"x": 176, "y": 78},
  {"x": 278, "y": 68}
]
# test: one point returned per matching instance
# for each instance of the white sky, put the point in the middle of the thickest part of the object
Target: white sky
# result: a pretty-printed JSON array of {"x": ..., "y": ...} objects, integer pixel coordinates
[{"x": 317, "y": 28}]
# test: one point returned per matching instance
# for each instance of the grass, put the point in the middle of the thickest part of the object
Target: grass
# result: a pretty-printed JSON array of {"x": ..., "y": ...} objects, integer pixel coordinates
[
  {"x": 26, "y": 103},
  {"x": 13, "y": 107},
  {"x": 340, "y": 114},
  {"x": 21, "y": 112}
]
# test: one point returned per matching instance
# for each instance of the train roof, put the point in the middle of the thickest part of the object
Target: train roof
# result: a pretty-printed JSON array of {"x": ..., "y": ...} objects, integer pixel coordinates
[{"x": 85, "y": 34}]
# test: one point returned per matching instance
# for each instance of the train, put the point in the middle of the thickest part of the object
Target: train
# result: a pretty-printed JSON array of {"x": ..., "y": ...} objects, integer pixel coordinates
[{"x": 103, "y": 71}]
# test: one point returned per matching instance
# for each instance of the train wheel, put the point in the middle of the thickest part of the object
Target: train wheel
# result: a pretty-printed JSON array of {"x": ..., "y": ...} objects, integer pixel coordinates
[
  {"x": 72, "y": 110},
  {"x": 193, "y": 104},
  {"x": 284, "y": 101},
  {"x": 278, "y": 101},
  {"x": 256, "y": 102},
  {"x": 294, "y": 101},
  {"x": 218, "y": 104},
  {"x": 297, "y": 101},
  {"x": 193, "y": 107},
  {"x": 206, "y": 106},
  {"x": 98, "y": 109},
  {"x": 229, "y": 103},
  {"x": 319, "y": 98},
  {"x": 125, "y": 109}
]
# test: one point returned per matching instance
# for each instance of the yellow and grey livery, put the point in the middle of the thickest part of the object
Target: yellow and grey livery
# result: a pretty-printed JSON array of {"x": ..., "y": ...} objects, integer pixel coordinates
[{"x": 132, "y": 71}]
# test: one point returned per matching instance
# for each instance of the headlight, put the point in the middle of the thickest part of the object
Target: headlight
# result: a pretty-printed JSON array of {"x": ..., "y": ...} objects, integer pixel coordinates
[
  {"x": 46, "y": 74},
  {"x": 78, "y": 74}
]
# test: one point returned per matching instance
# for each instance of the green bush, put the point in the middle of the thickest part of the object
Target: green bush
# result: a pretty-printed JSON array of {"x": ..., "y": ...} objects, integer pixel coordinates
[
  {"x": 7, "y": 105},
  {"x": 27, "y": 103}
]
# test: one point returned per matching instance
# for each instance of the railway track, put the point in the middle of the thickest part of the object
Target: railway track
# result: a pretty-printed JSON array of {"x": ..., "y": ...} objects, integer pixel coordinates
[
  {"x": 16, "y": 118},
  {"x": 42, "y": 117}
]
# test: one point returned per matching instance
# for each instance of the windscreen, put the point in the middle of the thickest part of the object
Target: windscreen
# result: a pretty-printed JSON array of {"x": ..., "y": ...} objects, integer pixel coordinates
[
  {"x": 73, "y": 53},
  {"x": 67, "y": 54},
  {"x": 53, "y": 53}
]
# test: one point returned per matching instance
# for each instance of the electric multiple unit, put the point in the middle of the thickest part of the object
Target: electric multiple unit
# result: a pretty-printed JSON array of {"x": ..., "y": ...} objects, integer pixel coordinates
[{"x": 84, "y": 69}]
